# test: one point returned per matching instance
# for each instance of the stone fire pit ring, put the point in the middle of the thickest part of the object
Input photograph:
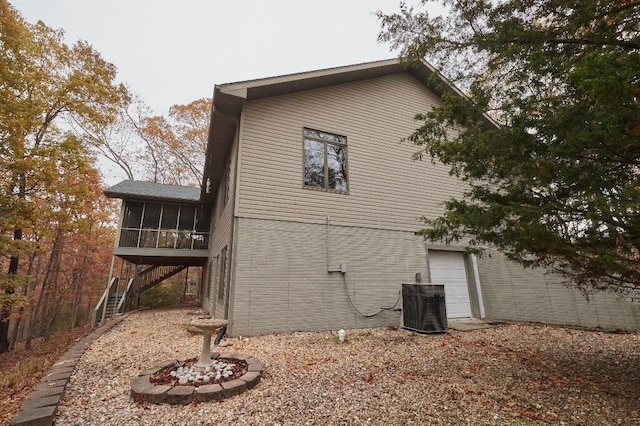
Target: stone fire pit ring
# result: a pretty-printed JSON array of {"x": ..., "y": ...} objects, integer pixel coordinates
[{"x": 142, "y": 390}]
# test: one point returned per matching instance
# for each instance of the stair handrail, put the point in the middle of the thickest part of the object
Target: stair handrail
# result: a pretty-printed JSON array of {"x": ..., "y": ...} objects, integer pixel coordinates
[
  {"x": 124, "y": 295},
  {"x": 158, "y": 273},
  {"x": 102, "y": 303}
]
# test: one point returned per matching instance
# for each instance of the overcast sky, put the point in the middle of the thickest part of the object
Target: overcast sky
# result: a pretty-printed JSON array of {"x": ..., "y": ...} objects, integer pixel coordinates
[{"x": 174, "y": 51}]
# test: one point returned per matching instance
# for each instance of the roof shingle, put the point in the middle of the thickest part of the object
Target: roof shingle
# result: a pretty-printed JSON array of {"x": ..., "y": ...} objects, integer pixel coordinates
[{"x": 135, "y": 189}]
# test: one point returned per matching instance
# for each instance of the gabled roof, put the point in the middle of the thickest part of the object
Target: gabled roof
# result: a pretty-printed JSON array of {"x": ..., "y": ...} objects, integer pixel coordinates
[
  {"x": 139, "y": 190},
  {"x": 229, "y": 100}
]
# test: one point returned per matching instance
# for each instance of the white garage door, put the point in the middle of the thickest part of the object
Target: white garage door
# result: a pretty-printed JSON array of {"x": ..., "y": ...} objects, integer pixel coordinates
[{"x": 447, "y": 267}]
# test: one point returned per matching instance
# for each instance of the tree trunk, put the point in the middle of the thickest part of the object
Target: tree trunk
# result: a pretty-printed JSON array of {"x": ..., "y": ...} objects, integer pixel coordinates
[
  {"x": 4, "y": 328},
  {"x": 51, "y": 306},
  {"x": 35, "y": 317},
  {"x": 79, "y": 279},
  {"x": 5, "y": 309}
]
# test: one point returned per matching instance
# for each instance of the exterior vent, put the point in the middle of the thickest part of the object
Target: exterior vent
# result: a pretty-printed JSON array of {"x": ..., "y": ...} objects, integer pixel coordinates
[{"x": 423, "y": 308}]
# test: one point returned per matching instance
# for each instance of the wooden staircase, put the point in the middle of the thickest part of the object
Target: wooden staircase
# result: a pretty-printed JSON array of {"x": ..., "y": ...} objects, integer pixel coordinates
[
  {"x": 116, "y": 300},
  {"x": 154, "y": 275}
]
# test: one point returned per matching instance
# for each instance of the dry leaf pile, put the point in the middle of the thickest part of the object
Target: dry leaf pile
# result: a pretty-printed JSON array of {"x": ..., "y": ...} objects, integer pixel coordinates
[
  {"x": 22, "y": 369},
  {"x": 511, "y": 374}
]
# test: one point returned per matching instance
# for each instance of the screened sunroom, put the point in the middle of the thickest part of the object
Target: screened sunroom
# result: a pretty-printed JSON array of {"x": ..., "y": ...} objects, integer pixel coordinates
[{"x": 161, "y": 224}]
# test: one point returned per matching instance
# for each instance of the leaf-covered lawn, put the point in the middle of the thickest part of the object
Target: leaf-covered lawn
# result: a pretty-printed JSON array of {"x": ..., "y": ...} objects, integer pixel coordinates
[{"x": 21, "y": 370}]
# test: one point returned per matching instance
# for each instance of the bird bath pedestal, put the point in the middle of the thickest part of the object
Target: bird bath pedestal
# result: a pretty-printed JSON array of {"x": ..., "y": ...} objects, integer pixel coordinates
[{"x": 208, "y": 326}]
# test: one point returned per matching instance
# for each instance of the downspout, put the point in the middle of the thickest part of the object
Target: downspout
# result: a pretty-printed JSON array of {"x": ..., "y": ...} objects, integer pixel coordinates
[
  {"x": 328, "y": 244},
  {"x": 476, "y": 274}
]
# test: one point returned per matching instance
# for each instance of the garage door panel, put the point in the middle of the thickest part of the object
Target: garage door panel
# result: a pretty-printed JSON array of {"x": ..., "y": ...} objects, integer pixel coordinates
[{"x": 447, "y": 267}]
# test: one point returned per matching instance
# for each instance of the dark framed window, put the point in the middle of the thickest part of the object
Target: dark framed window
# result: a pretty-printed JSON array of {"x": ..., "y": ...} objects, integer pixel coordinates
[
  {"x": 209, "y": 278},
  {"x": 325, "y": 160},
  {"x": 156, "y": 225},
  {"x": 132, "y": 214}
]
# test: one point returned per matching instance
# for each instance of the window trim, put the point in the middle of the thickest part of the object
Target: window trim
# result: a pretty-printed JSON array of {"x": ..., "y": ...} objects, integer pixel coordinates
[
  {"x": 209, "y": 279},
  {"x": 222, "y": 285},
  {"x": 325, "y": 143}
]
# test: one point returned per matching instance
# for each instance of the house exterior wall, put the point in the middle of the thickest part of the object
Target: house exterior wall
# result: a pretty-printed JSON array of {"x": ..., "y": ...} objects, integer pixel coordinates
[
  {"x": 386, "y": 188},
  {"x": 283, "y": 282},
  {"x": 285, "y": 268},
  {"x": 511, "y": 292},
  {"x": 221, "y": 237},
  {"x": 289, "y": 240}
]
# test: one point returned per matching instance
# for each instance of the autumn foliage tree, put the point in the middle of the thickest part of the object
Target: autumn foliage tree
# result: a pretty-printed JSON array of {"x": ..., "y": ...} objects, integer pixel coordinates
[
  {"x": 46, "y": 175},
  {"x": 155, "y": 148},
  {"x": 178, "y": 142},
  {"x": 557, "y": 182}
]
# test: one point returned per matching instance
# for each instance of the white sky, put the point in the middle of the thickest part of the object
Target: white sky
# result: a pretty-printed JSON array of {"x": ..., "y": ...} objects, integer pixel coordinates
[{"x": 175, "y": 51}]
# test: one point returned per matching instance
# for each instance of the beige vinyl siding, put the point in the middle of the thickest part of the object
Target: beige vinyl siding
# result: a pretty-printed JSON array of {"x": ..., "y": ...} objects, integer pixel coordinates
[
  {"x": 512, "y": 293},
  {"x": 374, "y": 115},
  {"x": 222, "y": 220},
  {"x": 282, "y": 281},
  {"x": 281, "y": 273}
]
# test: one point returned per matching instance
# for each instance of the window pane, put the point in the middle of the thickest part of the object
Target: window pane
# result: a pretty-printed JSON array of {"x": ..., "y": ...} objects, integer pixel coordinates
[
  {"x": 200, "y": 241},
  {"x": 337, "y": 167},
  {"x": 132, "y": 215},
  {"x": 148, "y": 239},
  {"x": 187, "y": 215},
  {"x": 169, "y": 216},
  {"x": 151, "y": 216},
  {"x": 167, "y": 239},
  {"x": 313, "y": 163},
  {"x": 129, "y": 238},
  {"x": 183, "y": 240},
  {"x": 202, "y": 219},
  {"x": 328, "y": 137}
]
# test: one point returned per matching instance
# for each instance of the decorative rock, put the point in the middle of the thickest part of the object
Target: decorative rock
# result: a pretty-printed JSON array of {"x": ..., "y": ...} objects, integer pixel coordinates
[
  {"x": 254, "y": 365},
  {"x": 37, "y": 416},
  {"x": 156, "y": 395},
  {"x": 31, "y": 403},
  {"x": 250, "y": 378},
  {"x": 233, "y": 387},
  {"x": 140, "y": 386},
  {"x": 209, "y": 393},
  {"x": 180, "y": 395},
  {"x": 51, "y": 387}
]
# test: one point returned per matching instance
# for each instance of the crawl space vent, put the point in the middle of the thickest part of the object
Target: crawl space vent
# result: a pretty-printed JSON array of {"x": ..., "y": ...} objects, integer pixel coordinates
[{"x": 423, "y": 308}]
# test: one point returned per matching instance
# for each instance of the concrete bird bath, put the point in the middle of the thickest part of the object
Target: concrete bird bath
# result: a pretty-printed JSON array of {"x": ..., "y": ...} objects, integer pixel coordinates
[
  {"x": 208, "y": 326},
  {"x": 212, "y": 378}
]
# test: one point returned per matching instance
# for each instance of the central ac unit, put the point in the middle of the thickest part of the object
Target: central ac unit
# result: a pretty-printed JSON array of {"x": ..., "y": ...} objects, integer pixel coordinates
[{"x": 423, "y": 308}]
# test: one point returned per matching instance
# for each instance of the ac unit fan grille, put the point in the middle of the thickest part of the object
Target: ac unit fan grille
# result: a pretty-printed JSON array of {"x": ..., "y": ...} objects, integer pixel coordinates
[{"x": 424, "y": 308}]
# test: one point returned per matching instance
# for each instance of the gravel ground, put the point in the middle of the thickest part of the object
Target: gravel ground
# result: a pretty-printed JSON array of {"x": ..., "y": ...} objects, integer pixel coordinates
[{"x": 510, "y": 374}]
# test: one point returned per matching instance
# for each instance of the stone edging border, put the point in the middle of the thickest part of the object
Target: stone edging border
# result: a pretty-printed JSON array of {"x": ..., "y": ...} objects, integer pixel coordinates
[
  {"x": 41, "y": 405},
  {"x": 142, "y": 390}
]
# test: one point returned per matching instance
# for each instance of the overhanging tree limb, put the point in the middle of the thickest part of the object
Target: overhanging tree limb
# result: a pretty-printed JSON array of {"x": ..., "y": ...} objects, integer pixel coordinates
[{"x": 558, "y": 183}]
